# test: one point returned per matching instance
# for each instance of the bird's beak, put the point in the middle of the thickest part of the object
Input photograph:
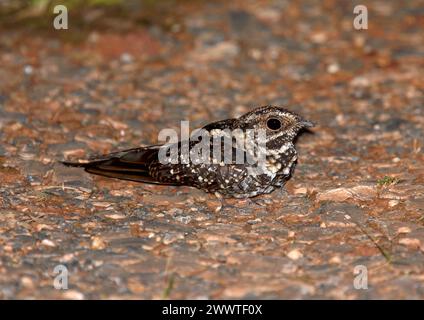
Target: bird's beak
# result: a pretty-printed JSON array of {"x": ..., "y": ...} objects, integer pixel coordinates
[{"x": 306, "y": 124}]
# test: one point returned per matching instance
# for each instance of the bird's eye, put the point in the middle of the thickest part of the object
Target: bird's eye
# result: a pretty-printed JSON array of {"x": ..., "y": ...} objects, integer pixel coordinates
[{"x": 273, "y": 124}]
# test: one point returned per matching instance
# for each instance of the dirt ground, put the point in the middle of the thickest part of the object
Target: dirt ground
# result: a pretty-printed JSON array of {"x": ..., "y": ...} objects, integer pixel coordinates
[{"x": 351, "y": 224}]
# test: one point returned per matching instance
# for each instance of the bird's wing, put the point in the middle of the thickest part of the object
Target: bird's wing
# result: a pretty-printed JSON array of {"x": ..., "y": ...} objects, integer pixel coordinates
[{"x": 143, "y": 164}]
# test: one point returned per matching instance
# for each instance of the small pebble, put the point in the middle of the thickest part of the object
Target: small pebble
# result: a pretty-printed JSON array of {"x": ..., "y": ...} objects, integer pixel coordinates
[
  {"x": 73, "y": 295},
  {"x": 126, "y": 58},
  {"x": 404, "y": 230},
  {"x": 97, "y": 243},
  {"x": 410, "y": 242},
  {"x": 393, "y": 203},
  {"x": 28, "y": 70},
  {"x": 48, "y": 243},
  {"x": 27, "y": 282},
  {"x": 333, "y": 68},
  {"x": 115, "y": 216},
  {"x": 184, "y": 219},
  {"x": 295, "y": 254},
  {"x": 335, "y": 260}
]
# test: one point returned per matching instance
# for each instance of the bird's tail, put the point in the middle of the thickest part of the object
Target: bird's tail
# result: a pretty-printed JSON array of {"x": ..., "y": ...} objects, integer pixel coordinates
[{"x": 132, "y": 164}]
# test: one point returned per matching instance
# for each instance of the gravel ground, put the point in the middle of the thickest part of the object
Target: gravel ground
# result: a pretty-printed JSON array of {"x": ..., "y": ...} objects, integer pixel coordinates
[{"x": 354, "y": 208}]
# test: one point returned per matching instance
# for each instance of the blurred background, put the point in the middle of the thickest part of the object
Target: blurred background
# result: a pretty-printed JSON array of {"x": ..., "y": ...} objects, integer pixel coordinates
[{"x": 124, "y": 70}]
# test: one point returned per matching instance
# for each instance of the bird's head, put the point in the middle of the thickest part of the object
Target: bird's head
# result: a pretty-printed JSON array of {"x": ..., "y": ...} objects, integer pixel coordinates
[{"x": 280, "y": 125}]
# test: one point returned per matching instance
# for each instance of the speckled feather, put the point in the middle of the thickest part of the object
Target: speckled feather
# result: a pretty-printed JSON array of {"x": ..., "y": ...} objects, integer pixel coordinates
[{"x": 229, "y": 179}]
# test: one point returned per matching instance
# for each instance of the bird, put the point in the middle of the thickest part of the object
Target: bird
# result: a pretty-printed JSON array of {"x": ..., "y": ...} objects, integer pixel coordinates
[{"x": 229, "y": 170}]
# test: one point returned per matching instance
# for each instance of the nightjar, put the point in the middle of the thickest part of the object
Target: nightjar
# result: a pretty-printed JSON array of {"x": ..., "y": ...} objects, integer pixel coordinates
[{"x": 250, "y": 155}]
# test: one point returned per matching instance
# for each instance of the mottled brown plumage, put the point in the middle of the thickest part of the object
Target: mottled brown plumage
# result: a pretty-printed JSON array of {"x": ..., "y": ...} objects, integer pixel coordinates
[{"x": 227, "y": 178}]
